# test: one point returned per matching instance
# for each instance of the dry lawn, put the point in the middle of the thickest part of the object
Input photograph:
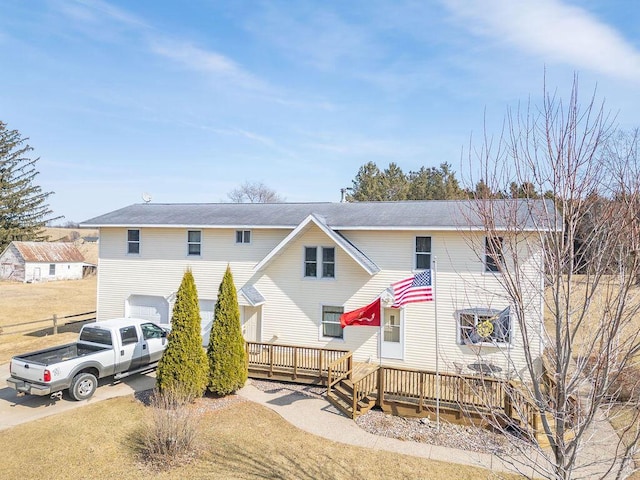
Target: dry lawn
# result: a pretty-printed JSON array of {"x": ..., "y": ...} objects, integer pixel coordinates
[
  {"x": 242, "y": 441},
  {"x": 26, "y": 302}
]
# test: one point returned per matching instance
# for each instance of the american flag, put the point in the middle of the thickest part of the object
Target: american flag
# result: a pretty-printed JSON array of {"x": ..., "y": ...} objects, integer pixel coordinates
[{"x": 413, "y": 289}]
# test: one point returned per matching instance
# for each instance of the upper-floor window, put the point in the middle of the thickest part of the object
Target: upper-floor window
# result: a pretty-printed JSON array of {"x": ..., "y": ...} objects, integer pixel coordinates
[
  {"x": 423, "y": 253},
  {"x": 243, "y": 236},
  {"x": 481, "y": 325},
  {"x": 494, "y": 256},
  {"x": 327, "y": 262},
  {"x": 133, "y": 241},
  {"x": 331, "y": 321},
  {"x": 194, "y": 242}
]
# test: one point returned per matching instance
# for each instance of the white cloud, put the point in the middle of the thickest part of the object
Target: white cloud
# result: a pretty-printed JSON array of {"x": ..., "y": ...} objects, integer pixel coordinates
[
  {"x": 554, "y": 31},
  {"x": 198, "y": 59}
]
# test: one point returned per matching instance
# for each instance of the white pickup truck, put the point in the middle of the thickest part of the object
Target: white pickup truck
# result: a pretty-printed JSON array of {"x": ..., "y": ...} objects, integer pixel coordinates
[{"x": 111, "y": 348}]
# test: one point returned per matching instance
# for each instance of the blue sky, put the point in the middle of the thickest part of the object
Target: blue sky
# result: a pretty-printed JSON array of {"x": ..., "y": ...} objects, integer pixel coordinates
[{"x": 187, "y": 100}]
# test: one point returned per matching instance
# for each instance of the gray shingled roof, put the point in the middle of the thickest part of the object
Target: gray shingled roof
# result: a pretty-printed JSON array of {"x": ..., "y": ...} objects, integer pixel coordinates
[{"x": 433, "y": 214}]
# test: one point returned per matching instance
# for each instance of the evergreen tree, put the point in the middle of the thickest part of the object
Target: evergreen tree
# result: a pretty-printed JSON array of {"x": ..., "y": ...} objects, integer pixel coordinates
[
  {"x": 368, "y": 184},
  {"x": 434, "y": 184},
  {"x": 226, "y": 352},
  {"x": 23, "y": 208},
  {"x": 394, "y": 183},
  {"x": 183, "y": 367}
]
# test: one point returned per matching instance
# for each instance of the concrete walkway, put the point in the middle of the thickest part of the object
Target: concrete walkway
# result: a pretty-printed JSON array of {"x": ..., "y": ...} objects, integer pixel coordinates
[{"x": 319, "y": 417}]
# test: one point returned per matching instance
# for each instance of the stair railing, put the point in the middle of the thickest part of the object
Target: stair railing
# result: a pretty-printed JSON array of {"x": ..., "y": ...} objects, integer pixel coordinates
[{"x": 339, "y": 370}]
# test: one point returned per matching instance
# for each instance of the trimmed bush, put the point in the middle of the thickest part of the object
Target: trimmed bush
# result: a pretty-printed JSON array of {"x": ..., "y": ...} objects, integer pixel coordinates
[
  {"x": 227, "y": 357},
  {"x": 183, "y": 367}
]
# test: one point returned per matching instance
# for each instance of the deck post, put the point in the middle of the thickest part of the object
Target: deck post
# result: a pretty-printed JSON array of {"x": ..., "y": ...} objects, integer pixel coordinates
[
  {"x": 271, "y": 360},
  {"x": 350, "y": 366},
  {"x": 295, "y": 362},
  {"x": 55, "y": 324},
  {"x": 421, "y": 399},
  {"x": 320, "y": 363}
]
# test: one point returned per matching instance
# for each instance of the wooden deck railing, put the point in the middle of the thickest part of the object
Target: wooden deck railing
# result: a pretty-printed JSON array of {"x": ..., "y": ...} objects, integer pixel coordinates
[
  {"x": 291, "y": 360},
  {"x": 522, "y": 409},
  {"x": 420, "y": 387},
  {"x": 364, "y": 388},
  {"x": 339, "y": 370}
]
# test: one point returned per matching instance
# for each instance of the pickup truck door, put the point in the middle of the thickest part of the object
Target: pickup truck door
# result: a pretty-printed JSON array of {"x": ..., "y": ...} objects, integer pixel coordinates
[
  {"x": 131, "y": 351},
  {"x": 155, "y": 341}
]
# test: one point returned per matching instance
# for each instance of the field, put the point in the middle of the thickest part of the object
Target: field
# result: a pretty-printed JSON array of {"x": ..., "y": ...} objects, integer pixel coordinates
[{"x": 26, "y": 302}]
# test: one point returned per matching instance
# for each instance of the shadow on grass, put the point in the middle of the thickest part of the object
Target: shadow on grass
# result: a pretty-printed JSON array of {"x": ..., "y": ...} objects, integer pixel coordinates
[{"x": 285, "y": 465}]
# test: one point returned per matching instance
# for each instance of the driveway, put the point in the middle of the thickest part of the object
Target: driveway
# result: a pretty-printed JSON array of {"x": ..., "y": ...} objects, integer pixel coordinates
[{"x": 16, "y": 409}]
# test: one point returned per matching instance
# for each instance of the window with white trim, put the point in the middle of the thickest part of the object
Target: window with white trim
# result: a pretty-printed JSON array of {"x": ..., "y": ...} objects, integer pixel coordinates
[
  {"x": 423, "y": 253},
  {"x": 331, "y": 321},
  {"x": 133, "y": 242},
  {"x": 484, "y": 326},
  {"x": 243, "y": 236},
  {"x": 494, "y": 256},
  {"x": 328, "y": 262},
  {"x": 194, "y": 242},
  {"x": 325, "y": 257},
  {"x": 52, "y": 269}
]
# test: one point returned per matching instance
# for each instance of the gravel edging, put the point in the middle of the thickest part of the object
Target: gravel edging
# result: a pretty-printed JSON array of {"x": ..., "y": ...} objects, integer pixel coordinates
[{"x": 421, "y": 430}]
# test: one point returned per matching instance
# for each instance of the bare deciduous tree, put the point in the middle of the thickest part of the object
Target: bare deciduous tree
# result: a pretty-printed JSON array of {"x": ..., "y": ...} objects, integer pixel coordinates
[
  {"x": 254, "y": 192},
  {"x": 570, "y": 152}
]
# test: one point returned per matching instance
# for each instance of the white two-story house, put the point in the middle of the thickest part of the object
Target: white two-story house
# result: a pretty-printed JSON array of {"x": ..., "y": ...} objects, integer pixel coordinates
[{"x": 299, "y": 266}]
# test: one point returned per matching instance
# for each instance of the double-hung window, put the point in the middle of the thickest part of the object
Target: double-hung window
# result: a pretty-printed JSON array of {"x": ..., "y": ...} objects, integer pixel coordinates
[
  {"x": 133, "y": 242},
  {"x": 331, "y": 321},
  {"x": 327, "y": 261},
  {"x": 52, "y": 269},
  {"x": 484, "y": 326},
  {"x": 194, "y": 242},
  {"x": 494, "y": 256},
  {"x": 423, "y": 253},
  {"x": 243, "y": 236}
]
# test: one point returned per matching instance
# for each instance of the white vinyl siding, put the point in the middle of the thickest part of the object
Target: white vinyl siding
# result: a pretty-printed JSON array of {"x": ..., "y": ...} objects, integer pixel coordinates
[{"x": 292, "y": 312}]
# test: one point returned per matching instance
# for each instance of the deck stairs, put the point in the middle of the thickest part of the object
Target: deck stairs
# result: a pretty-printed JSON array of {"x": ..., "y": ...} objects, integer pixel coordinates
[{"x": 352, "y": 396}]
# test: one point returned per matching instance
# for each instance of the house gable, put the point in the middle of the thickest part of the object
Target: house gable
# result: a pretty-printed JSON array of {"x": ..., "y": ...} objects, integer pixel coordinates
[{"x": 360, "y": 258}]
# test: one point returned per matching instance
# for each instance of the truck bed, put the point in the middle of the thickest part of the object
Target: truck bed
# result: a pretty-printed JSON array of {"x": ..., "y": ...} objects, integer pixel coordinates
[{"x": 53, "y": 355}]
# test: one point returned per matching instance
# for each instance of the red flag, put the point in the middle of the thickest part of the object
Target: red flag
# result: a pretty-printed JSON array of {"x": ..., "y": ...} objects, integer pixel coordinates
[{"x": 369, "y": 315}]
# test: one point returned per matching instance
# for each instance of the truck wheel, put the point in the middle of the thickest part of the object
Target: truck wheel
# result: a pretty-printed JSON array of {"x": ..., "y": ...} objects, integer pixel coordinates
[{"x": 83, "y": 386}]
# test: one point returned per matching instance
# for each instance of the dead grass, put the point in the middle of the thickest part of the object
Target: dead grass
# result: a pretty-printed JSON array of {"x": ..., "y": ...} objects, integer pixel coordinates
[
  {"x": 26, "y": 302},
  {"x": 242, "y": 441}
]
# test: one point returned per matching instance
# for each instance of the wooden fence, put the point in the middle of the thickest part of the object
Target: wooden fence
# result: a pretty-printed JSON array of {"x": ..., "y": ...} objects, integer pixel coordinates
[{"x": 56, "y": 323}]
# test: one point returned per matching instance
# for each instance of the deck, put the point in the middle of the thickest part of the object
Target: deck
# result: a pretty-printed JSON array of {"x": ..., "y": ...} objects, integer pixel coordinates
[{"x": 355, "y": 387}]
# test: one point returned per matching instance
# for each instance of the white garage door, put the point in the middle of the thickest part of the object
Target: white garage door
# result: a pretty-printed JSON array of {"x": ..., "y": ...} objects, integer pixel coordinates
[{"x": 148, "y": 307}]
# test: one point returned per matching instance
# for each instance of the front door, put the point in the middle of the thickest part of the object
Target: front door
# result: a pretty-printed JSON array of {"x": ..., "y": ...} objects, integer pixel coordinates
[
  {"x": 251, "y": 323},
  {"x": 392, "y": 332}
]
